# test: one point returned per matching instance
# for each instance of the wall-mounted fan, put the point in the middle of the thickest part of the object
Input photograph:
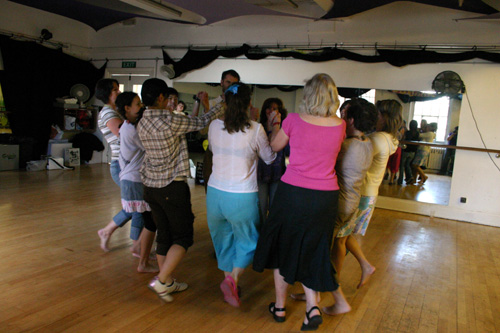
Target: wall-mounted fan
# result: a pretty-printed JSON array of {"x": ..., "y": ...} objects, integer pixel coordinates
[
  {"x": 80, "y": 92},
  {"x": 448, "y": 83},
  {"x": 168, "y": 71}
]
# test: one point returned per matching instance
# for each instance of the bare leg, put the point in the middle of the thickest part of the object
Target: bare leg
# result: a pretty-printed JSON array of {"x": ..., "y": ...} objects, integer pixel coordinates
[
  {"x": 311, "y": 301},
  {"x": 281, "y": 288},
  {"x": 236, "y": 273},
  {"x": 136, "y": 247},
  {"x": 172, "y": 259},
  {"x": 366, "y": 268},
  {"x": 105, "y": 233},
  {"x": 147, "y": 238},
  {"x": 339, "y": 253},
  {"x": 340, "y": 306}
]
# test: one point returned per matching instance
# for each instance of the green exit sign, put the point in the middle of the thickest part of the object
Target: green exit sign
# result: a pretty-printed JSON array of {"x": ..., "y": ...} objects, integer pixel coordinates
[{"x": 128, "y": 64}]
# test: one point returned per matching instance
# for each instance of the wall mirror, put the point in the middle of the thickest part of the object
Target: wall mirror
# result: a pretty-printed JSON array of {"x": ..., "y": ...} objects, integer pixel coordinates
[{"x": 444, "y": 111}]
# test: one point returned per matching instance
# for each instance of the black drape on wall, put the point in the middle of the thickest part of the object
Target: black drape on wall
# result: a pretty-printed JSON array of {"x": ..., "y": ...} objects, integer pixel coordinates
[{"x": 33, "y": 77}]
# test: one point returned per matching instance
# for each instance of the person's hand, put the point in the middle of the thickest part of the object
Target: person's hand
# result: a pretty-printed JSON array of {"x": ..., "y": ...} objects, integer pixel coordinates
[
  {"x": 202, "y": 95},
  {"x": 273, "y": 119}
]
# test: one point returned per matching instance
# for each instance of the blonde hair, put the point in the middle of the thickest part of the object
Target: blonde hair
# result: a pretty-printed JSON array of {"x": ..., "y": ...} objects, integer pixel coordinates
[
  {"x": 392, "y": 111},
  {"x": 320, "y": 96}
]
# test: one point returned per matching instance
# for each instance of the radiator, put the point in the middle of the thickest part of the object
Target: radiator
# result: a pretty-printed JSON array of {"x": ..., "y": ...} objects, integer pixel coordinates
[{"x": 435, "y": 158}]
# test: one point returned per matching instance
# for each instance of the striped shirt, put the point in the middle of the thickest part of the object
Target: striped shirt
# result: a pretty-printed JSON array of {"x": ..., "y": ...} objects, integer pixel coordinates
[
  {"x": 162, "y": 135},
  {"x": 106, "y": 114}
]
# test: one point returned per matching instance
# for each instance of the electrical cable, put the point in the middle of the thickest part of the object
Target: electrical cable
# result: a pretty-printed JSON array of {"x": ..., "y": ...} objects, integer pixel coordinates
[{"x": 478, "y": 131}]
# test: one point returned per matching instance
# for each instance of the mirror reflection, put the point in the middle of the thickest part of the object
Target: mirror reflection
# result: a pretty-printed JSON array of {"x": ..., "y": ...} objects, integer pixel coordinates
[{"x": 437, "y": 122}]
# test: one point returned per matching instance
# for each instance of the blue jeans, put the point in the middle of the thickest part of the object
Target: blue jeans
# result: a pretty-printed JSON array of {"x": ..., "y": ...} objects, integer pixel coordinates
[{"x": 123, "y": 217}]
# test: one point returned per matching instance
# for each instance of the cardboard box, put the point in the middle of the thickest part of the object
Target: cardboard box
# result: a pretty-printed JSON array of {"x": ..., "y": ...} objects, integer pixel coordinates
[
  {"x": 9, "y": 157},
  {"x": 72, "y": 157},
  {"x": 56, "y": 149},
  {"x": 56, "y": 163}
]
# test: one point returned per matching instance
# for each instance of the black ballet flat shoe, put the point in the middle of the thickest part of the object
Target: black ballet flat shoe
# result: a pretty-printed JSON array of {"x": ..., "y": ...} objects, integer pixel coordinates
[
  {"x": 313, "y": 322},
  {"x": 273, "y": 309}
]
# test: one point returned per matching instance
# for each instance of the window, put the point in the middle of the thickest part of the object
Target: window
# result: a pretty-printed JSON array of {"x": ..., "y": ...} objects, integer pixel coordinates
[{"x": 434, "y": 111}]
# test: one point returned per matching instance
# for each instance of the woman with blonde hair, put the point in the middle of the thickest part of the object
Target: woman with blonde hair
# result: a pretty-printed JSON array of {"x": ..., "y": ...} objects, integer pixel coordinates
[{"x": 296, "y": 239}]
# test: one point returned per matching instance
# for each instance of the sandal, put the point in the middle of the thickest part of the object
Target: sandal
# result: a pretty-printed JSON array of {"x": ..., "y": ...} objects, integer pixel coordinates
[
  {"x": 230, "y": 291},
  {"x": 313, "y": 322},
  {"x": 273, "y": 309}
]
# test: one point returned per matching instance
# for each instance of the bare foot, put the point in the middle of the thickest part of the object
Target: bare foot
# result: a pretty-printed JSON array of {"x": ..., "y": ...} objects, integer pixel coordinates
[
  {"x": 148, "y": 268},
  {"x": 152, "y": 256},
  {"x": 104, "y": 236},
  {"x": 336, "y": 309},
  {"x": 302, "y": 297},
  {"x": 366, "y": 273}
]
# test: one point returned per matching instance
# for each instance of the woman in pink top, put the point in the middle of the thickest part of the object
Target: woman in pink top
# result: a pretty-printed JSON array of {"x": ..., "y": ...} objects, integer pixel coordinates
[{"x": 296, "y": 239}]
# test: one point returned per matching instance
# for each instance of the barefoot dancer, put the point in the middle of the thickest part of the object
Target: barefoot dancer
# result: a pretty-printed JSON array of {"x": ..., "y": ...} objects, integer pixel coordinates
[
  {"x": 384, "y": 144},
  {"x": 131, "y": 157},
  {"x": 109, "y": 121}
]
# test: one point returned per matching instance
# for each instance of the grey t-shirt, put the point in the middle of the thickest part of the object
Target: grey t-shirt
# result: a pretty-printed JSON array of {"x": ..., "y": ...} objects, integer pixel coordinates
[
  {"x": 131, "y": 153},
  {"x": 354, "y": 159}
]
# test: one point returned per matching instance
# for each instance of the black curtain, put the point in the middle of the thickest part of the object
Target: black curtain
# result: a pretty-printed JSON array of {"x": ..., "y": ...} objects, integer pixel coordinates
[
  {"x": 33, "y": 77},
  {"x": 197, "y": 59}
]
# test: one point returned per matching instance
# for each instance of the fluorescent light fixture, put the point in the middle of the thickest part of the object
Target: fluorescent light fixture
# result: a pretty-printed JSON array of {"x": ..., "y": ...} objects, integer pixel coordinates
[
  {"x": 155, "y": 7},
  {"x": 167, "y": 10}
]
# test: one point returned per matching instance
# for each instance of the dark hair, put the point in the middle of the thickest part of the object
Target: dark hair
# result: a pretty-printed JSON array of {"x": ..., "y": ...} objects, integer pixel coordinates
[
  {"x": 364, "y": 114},
  {"x": 103, "y": 89},
  {"x": 123, "y": 100},
  {"x": 231, "y": 72},
  {"x": 181, "y": 102},
  {"x": 151, "y": 90},
  {"x": 267, "y": 104},
  {"x": 236, "y": 116},
  {"x": 171, "y": 91},
  {"x": 414, "y": 126},
  {"x": 346, "y": 103}
]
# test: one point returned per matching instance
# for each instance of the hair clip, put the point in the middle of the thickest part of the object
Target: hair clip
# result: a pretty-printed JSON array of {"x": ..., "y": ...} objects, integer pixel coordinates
[{"x": 233, "y": 89}]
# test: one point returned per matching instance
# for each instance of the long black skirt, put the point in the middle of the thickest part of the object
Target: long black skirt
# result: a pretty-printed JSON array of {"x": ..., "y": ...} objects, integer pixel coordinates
[{"x": 297, "y": 237}]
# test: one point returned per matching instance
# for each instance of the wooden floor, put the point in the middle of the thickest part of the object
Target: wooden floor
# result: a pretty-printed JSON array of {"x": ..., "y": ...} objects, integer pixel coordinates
[
  {"x": 432, "y": 275},
  {"x": 436, "y": 190}
]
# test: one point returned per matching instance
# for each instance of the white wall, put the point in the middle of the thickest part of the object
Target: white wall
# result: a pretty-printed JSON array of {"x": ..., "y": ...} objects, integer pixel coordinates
[{"x": 476, "y": 177}]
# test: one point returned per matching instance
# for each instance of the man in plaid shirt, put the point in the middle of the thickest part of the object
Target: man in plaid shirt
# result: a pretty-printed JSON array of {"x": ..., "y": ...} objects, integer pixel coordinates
[{"x": 164, "y": 174}]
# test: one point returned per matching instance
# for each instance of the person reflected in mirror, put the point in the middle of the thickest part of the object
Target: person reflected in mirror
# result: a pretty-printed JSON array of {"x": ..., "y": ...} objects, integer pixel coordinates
[
  {"x": 268, "y": 176},
  {"x": 129, "y": 106},
  {"x": 393, "y": 165},
  {"x": 423, "y": 126},
  {"x": 408, "y": 153},
  {"x": 449, "y": 156},
  {"x": 423, "y": 152}
]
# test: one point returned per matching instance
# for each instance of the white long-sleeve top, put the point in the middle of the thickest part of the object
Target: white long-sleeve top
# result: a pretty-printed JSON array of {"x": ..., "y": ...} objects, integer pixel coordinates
[{"x": 236, "y": 156}]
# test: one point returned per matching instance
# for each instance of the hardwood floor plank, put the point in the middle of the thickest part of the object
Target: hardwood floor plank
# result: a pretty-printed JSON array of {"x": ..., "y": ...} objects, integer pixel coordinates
[{"x": 433, "y": 275}]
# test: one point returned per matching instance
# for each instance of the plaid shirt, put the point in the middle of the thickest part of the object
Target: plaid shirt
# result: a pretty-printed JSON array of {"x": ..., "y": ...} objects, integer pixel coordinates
[{"x": 162, "y": 135}]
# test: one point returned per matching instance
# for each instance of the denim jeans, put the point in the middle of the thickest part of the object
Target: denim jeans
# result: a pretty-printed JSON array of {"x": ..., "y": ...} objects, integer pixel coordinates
[{"x": 123, "y": 217}]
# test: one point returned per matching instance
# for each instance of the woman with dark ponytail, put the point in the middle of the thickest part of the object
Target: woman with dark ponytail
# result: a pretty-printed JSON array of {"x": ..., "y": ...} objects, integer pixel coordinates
[{"x": 232, "y": 195}]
